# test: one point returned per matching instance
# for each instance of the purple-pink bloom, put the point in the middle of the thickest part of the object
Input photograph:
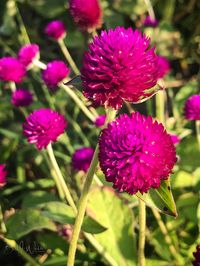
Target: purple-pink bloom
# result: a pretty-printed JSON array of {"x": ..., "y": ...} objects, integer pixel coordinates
[
  {"x": 82, "y": 158},
  {"x": 3, "y": 174},
  {"x": 100, "y": 120},
  {"x": 136, "y": 153},
  {"x": 21, "y": 97},
  {"x": 196, "y": 255},
  {"x": 175, "y": 139},
  {"x": 55, "y": 72},
  {"x": 163, "y": 66},
  {"x": 28, "y": 53},
  {"x": 55, "y": 29},
  {"x": 192, "y": 108},
  {"x": 44, "y": 126},
  {"x": 119, "y": 66},
  {"x": 86, "y": 14},
  {"x": 150, "y": 22},
  {"x": 11, "y": 69}
]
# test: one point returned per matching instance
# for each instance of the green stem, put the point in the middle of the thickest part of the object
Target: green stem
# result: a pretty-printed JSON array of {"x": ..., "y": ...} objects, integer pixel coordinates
[
  {"x": 142, "y": 227},
  {"x": 197, "y": 124},
  {"x": 60, "y": 177},
  {"x": 83, "y": 200},
  {"x": 160, "y": 106},
  {"x": 79, "y": 103},
  {"x": 150, "y": 9},
  {"x": 68, "y": 56},
  {"x": 12, "y": 86},
  {"x": 13, "y": 244}
]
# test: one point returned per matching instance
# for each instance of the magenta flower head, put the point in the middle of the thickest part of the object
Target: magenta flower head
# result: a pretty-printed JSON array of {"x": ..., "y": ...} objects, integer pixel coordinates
[
  {"x": 119, "y": 66},
  {"x": 44, "y": 126},
  {"x": 136, "y": 153},
  {"x": 163, "y": 66},
  {"x": 11, "y": 69},
  {"x": 21, "y": 97},
  {"x": 28, "y": 53},
  {"x": 55, "y": 30},
  {"x": 86, "y": 14},
  {"x": 192, "y": 108},
  {"x": 3, "y": 175},
  {"x": 100, "y": 120},
  {"x": 175, "y": 139},
  {"x": 82, "y": 158},
  {"x": 150, "y": 22},
  {"x": 55, "y": 72},
  {"x": 196, "y": 255}
]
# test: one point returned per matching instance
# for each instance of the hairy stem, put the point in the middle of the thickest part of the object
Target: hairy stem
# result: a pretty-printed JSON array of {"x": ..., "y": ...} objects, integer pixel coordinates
[{"x": 142, "y": 227}]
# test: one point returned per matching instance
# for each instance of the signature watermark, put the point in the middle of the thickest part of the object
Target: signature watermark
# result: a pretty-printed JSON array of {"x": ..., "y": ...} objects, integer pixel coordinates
[{"x": 30, "y": 248}]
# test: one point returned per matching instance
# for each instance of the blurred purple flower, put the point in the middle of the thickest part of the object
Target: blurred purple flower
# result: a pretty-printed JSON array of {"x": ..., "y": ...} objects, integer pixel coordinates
[
  {"x": 44, "y": 126},
  {"x": 28, "y": 53},
  {"x": 100, "y": 120},
  {"x": 136, "y": 153},
  {"x": 3, "y": 174},
  {"x": 192, "y": 108},
  {"x": 55, "y": 72},
  {"x": 175, "y": 139},
  {"x": 163, "y": 66},
  {"x": 21, "y": 97},
  {"x": 82, "y": 158},
  {"x": 196, "y": 255},
  {"x": 55, "y": 29},
  {"x": 86, "y": 14},
  {"x": 150, "y": 22},
  {"x": 119, "y": 66},
  {"x": 11, "y": 69}
]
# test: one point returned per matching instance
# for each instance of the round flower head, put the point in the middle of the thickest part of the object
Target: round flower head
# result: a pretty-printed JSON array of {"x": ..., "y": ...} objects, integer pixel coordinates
[
  {"x": 55, "y": 29},
  {"x": 44, "y": 126},
  {"x": 119, "y": 66},
  {"x": 87, "y": 14},
  {"x": 21, "y": 97},
  {"x": 192, "y": 108},
  {"x": 163, "y": 66},
  {"x": 175, "y": 139},
  {"x": 3, "y": 175},
  {"x": 11, "y": 69},
  {"x": 28, "y": 53},
  {"x": 100, "y": 120},
  {"x": 136, "y": 153},
  {"x": 55, "y": 72},
  {"x": 150, "y": 22},
  {"x": 82, "y": 158},
  {"x": 197, "y": 256}
]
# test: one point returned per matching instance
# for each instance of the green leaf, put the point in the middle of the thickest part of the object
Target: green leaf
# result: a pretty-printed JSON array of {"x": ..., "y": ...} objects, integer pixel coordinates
[
  {"x": 25, "y": 221},
  {"x": 37, "y": 197},
  {"x": 119, "y": 239},
  {"x": 161, "y": 199},
  {"x": 62, "y": 213}
]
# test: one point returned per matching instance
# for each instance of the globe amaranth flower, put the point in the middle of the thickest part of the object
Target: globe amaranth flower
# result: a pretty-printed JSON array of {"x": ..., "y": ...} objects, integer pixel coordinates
[
  {"x": 86, "y": 14},
  {"x": 150, "y": 22},
  {"x": 163, "y": 66},
  {"x": 3, "y": 175},
  {"x": 28, "y": 53},
  {"x": 55, "y": 72},
  {"x": 55, "y": 29},
  {"x": 44, "y": 126},
  {"x": 192, "y": 108},
  {"x": 196, "y": 255},
  {"x": 21, "y": 97},
  {"x": 100, "y": 120},
  {"x": 82, "y": 158},
  {"x": 119, "y": 66},
  {"x": 11, "y": 69},
  {"x": 175, "y": 139},
  {"x": 136, "y": 153}
]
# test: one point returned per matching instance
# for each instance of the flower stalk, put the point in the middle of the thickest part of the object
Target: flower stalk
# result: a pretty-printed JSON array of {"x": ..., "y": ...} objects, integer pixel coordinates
[
  {"x": 142, "y": 227},
  {"x": 197, "y": 124},
  {"x": 68, "y": 56},
  {"x": 84, "y": 198}
]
